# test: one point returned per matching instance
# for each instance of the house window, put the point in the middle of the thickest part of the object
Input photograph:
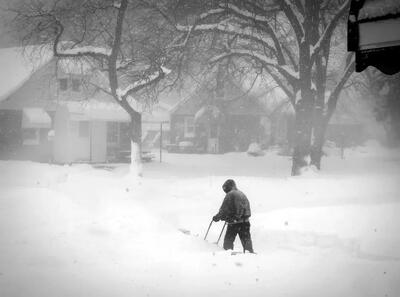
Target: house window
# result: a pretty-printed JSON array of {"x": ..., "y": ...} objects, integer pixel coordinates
[
  {"x": 30, "y": 136},
  {"x": 189, "y": 127},
  {"x": 112, "y": 133},
  {"x": 83, "y": 129},
  {"x": 63, "y": 84},
  {"x": 76, "y": 85}
]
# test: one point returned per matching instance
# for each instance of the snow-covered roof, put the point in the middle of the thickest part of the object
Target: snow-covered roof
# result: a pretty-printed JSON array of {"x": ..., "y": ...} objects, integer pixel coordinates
[
  {"x": 207, "y": 112},
  {"x": 87, "y": 49},
  {"x": 17, "y": 65},
  {"x": 379, "y": 8},
  {"x": 73, "y": 66},
  {"x": 159, "y": 112},
  {"x": 96, "y": 110}
]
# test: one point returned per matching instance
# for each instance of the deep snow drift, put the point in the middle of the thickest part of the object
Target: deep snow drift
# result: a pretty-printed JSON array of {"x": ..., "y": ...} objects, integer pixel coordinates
[{"x": 84, "y": 231}]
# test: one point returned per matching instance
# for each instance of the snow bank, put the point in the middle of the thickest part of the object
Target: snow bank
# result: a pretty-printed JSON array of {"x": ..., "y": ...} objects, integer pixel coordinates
[{"x": 30, "y": 174}]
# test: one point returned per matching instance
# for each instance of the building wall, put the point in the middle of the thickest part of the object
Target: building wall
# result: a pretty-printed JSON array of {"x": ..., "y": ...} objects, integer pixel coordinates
[
  {"x": 79, "y": 141},
  {"x": 99, "y": 141},
  {"x": 177, "y": 129},
  {"x": 19, "y": 143},
  {"x": 61, "y": 147},
  {"x": 70, "y": 143},
  {"x": 10, "y": 130}
]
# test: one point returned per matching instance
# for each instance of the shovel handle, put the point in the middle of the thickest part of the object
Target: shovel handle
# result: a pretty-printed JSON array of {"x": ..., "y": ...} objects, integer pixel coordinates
[
  {"x": 208, "y": 229},
  {"x": 221, "y": 233}
]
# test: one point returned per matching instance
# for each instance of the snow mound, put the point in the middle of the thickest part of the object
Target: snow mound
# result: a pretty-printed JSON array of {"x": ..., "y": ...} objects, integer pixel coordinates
[
  {"x": 255, "y": 150},
  {"x": 30, "y": 174}
]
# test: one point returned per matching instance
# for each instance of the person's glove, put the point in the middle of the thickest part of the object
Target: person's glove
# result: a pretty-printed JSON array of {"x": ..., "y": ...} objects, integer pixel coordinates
[{"x": 215, "y": 218}]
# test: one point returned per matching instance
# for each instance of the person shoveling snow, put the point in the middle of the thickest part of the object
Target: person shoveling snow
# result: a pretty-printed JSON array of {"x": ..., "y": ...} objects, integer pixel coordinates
[{"x": 235, "y": 211}]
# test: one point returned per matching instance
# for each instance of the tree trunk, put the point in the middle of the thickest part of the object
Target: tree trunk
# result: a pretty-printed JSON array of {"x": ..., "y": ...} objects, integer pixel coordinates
[
  {"x": 136, "y": 142},
  {"x": 320, "y": 127},
  {"x": 302, "y": 137},
  {"x": 304, "y": 112},
  {"x": 320, "y": 123}
]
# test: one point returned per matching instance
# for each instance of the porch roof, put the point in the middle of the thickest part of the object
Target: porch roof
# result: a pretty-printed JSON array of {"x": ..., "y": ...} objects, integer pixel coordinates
[
  {"x": 93, "y": 110},
  {"x": 35, "y": 118}
]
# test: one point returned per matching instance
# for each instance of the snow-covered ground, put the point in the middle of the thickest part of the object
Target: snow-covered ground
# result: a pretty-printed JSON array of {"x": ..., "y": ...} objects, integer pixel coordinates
[{"x": 84, "y": 231}]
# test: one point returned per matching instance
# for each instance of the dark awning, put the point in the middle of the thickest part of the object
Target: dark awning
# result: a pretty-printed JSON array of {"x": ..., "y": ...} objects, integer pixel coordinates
[{"x": 374, "y": 34}]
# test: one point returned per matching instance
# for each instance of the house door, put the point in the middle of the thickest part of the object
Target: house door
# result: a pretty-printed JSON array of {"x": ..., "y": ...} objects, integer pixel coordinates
[{"x": 118, "y": 142}]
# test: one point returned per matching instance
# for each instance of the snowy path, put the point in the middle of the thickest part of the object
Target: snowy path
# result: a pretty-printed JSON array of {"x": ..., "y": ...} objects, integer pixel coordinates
[{"x": 78, "y": 231}]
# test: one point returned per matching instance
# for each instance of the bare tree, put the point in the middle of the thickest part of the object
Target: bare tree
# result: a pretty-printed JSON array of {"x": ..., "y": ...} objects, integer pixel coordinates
[
  {"x": 290, "y": 40},
  {"x": 124, "y": 39}
]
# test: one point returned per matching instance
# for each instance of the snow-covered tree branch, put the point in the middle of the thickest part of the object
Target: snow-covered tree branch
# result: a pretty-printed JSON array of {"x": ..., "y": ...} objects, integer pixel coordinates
[
  {"x": 334, "y": 95},
  {"x": 286, "y": 71},
  {"x": 289, "y": 40},
  {"x": 295, "y": 19},
  {"x": 325, "y": 37},
  {"x": 143, "y": 83}
]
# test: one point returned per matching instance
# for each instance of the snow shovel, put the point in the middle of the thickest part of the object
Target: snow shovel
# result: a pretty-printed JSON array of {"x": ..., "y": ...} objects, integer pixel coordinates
[
  {"x": 220, "y": 234},
  {"x": 208, "y": 229}
]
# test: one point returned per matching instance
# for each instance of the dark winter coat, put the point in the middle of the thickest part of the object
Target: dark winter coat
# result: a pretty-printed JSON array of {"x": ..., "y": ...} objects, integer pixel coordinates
[{"x": 235, "y": 208}]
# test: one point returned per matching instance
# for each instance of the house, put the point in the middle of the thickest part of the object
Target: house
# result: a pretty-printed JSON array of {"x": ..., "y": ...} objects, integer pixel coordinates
[
  {"x": 351, "y": 121},
  {"x": 54, "y": 113},
  {"x": 281, "y": 123},
  {"x": 156, "y": 126},
  {"x": 345, "y": 131},
  {"x": 374, "y": 34},
  {"x": 91, "y": 131},
  {"x": 209, "y": 122}
]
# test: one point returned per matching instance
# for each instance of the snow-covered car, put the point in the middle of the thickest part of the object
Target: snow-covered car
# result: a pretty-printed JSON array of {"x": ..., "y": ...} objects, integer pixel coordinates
[
  {"x": 255, "y": 150},
  {"x": 147, "y": 156}
]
